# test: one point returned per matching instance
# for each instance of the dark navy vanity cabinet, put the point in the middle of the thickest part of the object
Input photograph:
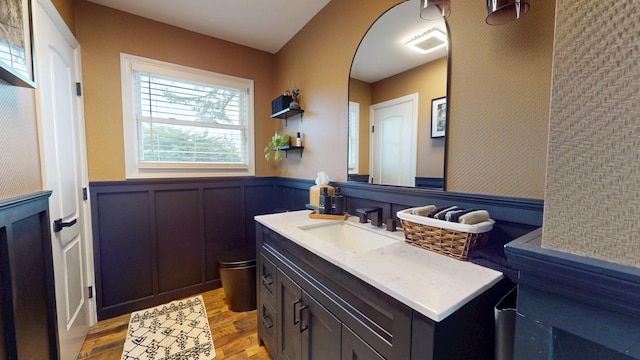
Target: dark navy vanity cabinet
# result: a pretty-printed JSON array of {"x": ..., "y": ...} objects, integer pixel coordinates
[{"x": 309, "y": 308}]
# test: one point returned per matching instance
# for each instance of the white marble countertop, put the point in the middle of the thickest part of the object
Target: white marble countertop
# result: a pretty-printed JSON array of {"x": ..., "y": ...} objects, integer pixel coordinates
[{"x": 432, "y": 284}]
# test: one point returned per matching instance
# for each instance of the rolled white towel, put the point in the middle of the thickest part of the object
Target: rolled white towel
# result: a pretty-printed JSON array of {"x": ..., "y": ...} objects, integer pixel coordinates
[
  {"x": 474, "y": 217},
  {"x": 423, "y": 211}
]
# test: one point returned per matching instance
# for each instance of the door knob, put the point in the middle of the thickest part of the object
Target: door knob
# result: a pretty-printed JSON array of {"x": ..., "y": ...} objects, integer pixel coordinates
[{"x": 58, "y": 225}]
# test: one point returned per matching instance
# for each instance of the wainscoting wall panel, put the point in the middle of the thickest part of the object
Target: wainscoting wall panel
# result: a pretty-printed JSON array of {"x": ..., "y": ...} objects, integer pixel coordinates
[
  {"x": 159, "y": 240},
  {"x": 178, "y": 224},
  {"x": 260, "y": 198},
  {"x": 122, "y": 227},
  {"x": 27, "y": 312},
  {"x": 155, "y": 241},
  {"x": 222, "y": 225}
]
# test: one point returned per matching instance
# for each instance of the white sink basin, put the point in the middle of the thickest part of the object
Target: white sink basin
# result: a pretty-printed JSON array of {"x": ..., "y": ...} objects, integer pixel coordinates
[{"x": 350, "y": 237}]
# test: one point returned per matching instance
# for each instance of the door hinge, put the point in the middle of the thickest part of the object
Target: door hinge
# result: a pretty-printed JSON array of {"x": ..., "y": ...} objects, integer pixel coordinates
[
  {"x": 78, "y": 89},
  {"x": 85, "y": 196},
  {"x": 373, "y": 128},
  {"x": 90, "y": 292}
]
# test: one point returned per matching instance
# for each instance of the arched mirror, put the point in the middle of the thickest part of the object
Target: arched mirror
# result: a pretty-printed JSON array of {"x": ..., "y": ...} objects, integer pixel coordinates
[{"x": 397, "y": 101}]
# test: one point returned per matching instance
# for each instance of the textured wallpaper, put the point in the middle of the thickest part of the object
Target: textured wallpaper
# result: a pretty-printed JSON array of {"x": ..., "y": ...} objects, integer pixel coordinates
[
  {"x": 19, "y": 158},
  {"x": 499, "y": 101},
  {"x": 592, "y": 199}
]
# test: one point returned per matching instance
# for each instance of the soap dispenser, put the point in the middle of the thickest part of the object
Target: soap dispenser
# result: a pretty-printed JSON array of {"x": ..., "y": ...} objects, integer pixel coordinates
[
  {"x": 338, "y": 203},
  {"x": 324, "y": 202}
]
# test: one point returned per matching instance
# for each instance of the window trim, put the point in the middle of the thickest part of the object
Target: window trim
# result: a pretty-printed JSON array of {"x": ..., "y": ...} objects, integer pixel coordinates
[
  {"x": 354, "y": 168},
  {"x": 136, "y": 170}
]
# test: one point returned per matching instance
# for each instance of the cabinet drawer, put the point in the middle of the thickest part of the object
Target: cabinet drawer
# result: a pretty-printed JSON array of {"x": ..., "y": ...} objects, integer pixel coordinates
[
  {"x": 267, "y": 325},
  {"x": 267, "y": 279},
  {"x": 353, "y": 347}
]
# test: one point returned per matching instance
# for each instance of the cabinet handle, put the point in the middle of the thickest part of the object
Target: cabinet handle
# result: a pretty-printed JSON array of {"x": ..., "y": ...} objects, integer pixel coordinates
[
  {"x": 296, "y": 320},
  {"x": 267, "y": 280},
  {"x": 267, "y": 322},
  {"x": 303, "y": 308}
]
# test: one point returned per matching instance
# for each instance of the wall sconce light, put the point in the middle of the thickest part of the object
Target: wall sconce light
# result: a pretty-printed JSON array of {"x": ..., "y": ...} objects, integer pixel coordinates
[
  {"x": 434, "y": 9},
  {"x": 503, "y": 11}
]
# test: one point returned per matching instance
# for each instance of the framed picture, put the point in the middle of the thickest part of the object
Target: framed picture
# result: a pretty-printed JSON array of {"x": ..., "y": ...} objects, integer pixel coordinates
[
  {"x": 438, "y": 117},
  {"x": 16, "y": 43}
]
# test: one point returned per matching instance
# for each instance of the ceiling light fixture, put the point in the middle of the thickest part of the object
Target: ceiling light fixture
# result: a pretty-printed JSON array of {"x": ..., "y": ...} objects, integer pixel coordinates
[
  {"x": 428, "y": 41},
  {"x": 434, "y": 9},
  {"x": 503, "y": 11}
]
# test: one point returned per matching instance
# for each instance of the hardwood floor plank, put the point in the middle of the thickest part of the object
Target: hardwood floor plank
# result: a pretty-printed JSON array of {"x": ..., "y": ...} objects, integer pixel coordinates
[{"x": 234, "y": 334}]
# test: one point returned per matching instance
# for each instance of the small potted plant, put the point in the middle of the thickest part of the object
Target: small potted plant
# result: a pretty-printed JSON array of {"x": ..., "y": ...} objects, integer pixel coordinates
[
  {"x": 294, "y": 92},
  {"x": 278, "y": 141}
]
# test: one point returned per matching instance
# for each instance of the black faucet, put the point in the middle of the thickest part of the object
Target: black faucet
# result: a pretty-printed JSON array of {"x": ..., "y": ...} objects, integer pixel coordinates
[{"x": 363, "y": 214}]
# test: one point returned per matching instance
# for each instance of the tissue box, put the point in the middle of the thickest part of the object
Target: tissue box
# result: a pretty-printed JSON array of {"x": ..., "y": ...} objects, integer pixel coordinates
[{"x": 280, "y": 103}]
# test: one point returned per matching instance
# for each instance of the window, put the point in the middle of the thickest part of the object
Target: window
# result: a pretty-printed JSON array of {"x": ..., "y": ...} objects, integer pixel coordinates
[
  {"x": 185, "y": 122},
  {"x": 354, "y": 128}
]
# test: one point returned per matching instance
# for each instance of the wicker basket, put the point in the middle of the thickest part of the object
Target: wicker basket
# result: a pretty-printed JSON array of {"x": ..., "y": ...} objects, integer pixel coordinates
[{"x": 444, "y": 237}]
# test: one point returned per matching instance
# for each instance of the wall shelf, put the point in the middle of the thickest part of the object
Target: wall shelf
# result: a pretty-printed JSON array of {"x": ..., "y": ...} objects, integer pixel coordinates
[
  {"x": 286, "y": 149},
  {"x": 287, "y": 113}
]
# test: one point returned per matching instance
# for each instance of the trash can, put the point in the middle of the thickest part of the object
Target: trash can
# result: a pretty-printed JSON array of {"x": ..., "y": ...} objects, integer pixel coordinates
[
  {"x": 238, "y": 277},
  {"x": 505, "y": 321}
]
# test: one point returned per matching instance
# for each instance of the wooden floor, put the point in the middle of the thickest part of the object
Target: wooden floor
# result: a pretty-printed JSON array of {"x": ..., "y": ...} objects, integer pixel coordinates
[{"x": 235, "y": 335}]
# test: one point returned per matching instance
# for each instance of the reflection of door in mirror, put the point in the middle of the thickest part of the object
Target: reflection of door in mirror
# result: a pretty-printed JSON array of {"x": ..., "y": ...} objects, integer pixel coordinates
[
  {"x": 384, "y": 69},
  {"x": 393, "y": 141}
]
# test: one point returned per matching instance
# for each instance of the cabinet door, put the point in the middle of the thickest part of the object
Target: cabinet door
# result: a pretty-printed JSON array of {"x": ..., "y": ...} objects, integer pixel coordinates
[
  {"x": 321, "y": 331},
  {"x": 289, "y": 300},
  {"x": 354, "y": 348}
]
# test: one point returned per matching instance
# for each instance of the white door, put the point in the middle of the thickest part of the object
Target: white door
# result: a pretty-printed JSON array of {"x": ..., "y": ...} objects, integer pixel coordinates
[
  {"x": 393, "y": 143},
  {"x": 61, "y": 125}
]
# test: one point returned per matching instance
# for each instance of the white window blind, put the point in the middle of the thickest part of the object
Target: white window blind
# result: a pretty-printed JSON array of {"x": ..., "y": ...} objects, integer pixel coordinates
[
  {"x": 187, "y": 121},
  {"x": 181, "y": 121}
]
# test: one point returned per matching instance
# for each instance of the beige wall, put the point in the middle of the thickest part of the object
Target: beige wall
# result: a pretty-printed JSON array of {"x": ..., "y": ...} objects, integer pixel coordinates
[
  {"x": 592, "y": 200},
  {"x": 499, "y": 92},
  {"x": 319, "y": 59},
  {"x": 497, "y": 141},
  {"x": 499, "y": 100},
  {"x": 104, "y": 33},
  {"x": 66, "y": 9}
]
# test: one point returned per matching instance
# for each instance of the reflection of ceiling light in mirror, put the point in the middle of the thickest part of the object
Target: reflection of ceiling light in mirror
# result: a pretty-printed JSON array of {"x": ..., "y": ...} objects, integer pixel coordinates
[
  {"x": 435, "y": 9},
  {"x": 503, "y": 11},
  {"x": 427, "y": 42}
]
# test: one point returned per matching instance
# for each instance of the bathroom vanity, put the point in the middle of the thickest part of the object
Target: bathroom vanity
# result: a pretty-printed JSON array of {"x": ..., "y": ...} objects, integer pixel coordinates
[{"x": 326, "y": 292}]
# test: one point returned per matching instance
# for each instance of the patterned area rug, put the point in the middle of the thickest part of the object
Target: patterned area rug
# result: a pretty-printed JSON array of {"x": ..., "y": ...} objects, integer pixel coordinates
[{"x": 174, "y": 331}]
